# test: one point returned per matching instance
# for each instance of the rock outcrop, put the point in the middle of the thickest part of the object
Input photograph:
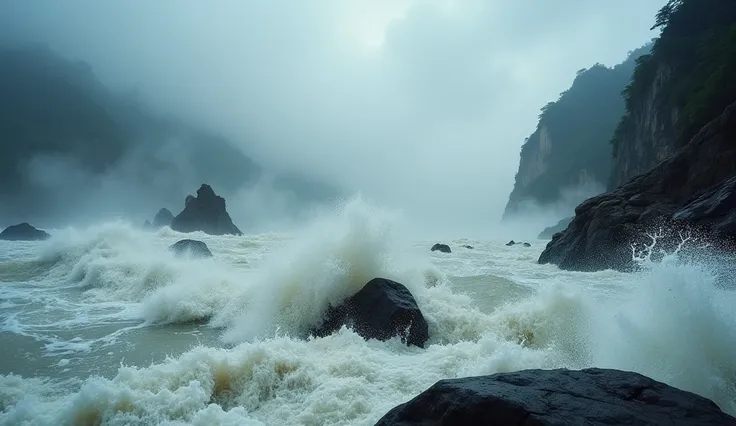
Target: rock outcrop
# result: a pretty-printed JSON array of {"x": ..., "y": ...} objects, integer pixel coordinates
[
  {"x": 550, "y": 231},
  {"x": 716, "y": 209},
  {"x": 207, "y": 213},
  {"x": 191, "y": 248},
  {"x": 569, "y": 155},
  {"x": 163, "y": 218},
  {"x": 23, "y": 232},
  {"x": 556, "y": 397},
  {"x": 382, "y": 309},
  {"x": 515, "y": 243},
  {"x": 605, "y": 227},
  {"x": 444, "y": 248},
  {"x": 648, "y": 134}
]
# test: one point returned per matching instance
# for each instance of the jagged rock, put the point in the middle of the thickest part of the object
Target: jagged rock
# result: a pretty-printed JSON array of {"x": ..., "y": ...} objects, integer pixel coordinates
[
  {"x": 444, "y": 248},
  {"x": 163, "y": 218},
  {"x": 606, "y": 226},
  {"x": 206, "y": 212},
  {"x": 550, "y": 231},
  {"x": 191, "y": 248},
  {"x": 716, "y": 209},
  {"x": 556, "y": 397},
  {"x": 23, "y": 232},
  {"x": 382, "y": 309}
]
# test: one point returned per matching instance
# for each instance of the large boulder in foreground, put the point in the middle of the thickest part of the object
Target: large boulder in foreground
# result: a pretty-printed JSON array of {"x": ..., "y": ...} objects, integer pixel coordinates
[
  {"x": 382, "y": 309},
  {"x": 163, "y": 218},
  {"x": 191, "y": 248},
  {"x": 606, "y": 226},
  {"x": 23, "y": 232},
  {"x": 206, "y": 212},
  {"x": 556, "y": 397},
  {"x": 549, "y": 232}
]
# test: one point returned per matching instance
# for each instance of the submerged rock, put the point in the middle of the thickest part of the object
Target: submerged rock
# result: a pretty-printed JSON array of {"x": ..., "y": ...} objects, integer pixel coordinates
[
  {"x": 550, "y": 231},
  {"x": 514, "y": 243},
  {"x": 556, "y": 397},
  {"x": 444, "y": 248},
  {"x": 163, "y": 218},
  {"x": 191, "y": 248},
  {"x": 23, "y": 232},
  {"x": 206, "y": 212},
  {"x": 469, "y": 247},
  {"x": 382, "y": 309},
  {"x": 511, "y": 243}
]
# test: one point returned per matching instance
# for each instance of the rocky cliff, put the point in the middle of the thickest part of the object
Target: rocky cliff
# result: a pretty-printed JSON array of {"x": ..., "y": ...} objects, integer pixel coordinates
[
  {"x": 683, "y": 84},
  {"x": 569, "y": 148},
  {"x": 675, "y": 143}
]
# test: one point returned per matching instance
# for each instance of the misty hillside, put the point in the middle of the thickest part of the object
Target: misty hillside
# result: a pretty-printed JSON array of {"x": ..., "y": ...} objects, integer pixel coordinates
[
  {"x": 568, "y": 157},
  {"x": 66, "y": 140},
  {"x": 686, "y": 81}
]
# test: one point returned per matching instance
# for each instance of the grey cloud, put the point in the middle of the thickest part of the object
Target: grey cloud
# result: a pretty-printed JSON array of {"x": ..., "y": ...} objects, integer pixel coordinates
[{"x": 431, "y": 121}]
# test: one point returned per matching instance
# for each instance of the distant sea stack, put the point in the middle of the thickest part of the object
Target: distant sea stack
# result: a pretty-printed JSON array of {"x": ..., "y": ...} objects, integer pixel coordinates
[
  {"x": 206, "y": 212},
  {"x": 23, "y": 232},
  {"x": 670, "y": 175},
  {"x": 570, "y": 148}
]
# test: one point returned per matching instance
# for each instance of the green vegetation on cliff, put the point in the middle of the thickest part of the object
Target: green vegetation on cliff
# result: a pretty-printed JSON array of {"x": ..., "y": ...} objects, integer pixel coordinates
[
  {"x": 572, "y": 136},
  {"x": 698, "y": 45}
]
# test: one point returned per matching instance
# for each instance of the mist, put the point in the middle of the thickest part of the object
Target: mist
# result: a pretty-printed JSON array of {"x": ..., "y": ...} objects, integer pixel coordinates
[{"x": 421, "y": 106}]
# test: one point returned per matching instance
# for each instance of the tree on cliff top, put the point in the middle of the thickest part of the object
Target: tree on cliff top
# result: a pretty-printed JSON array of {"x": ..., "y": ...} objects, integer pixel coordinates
[{"x": 697, "y": 44}]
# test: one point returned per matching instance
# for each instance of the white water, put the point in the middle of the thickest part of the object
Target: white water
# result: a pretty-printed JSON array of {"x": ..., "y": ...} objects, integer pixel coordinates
[{"x": 86, "y": 313}]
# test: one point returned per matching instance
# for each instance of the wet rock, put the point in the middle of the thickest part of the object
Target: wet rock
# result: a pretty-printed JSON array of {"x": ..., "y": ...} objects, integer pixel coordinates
[
  {"x": 382, "y": 309},
  {"x": 191, "y": 248},
  {"x": 514, "y": 243},
  {"x": 206, "y": 212},
  {"x": 468, "y": 247},
  {"x": 549, "y": 232},
  {"x": 687, "y": 191},
  {"x": 23, "y": 232},
  {"x": 556, "y": 397},
  {"x": 511, "y": 243},
  {"x": 444, "y": 248},
  {"x": 163, "y": 218}
]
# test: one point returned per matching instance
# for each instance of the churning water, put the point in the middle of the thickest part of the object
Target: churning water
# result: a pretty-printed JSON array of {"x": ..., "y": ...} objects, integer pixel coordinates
[{"x": 103, "y": 326}]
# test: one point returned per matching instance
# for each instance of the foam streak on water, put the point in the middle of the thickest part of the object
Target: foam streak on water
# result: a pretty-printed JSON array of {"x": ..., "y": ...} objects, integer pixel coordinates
[{"x": 87, "y": 313}]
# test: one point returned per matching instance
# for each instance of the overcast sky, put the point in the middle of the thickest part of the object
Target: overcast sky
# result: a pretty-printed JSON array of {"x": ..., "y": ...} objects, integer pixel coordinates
[{"x": 419, "y": 104}]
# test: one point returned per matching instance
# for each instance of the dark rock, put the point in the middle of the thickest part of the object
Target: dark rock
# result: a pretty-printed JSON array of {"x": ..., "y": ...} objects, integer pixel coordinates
[
  {"x": 527, "y": 245},
  {"x": 556, "y": 397},
  {"x": 444, "y": 248},
  {"x": 23, "y": 232},
  {"x": 716, "y": 208},
  {"x": 606, "y": 227},
  {"x": 468, "y": 247},
  {"x": 206, "y": 212},
  {"x": 191, "y": 248},
  {"x": 549, "y": 232},
  {"x": 382, "y": 309},
  {"x": 511, "y": 243},
  {"x": 163, "y": 218},
  {"x": 514, "y": 243},
  {"x": 188, "y": 200}
]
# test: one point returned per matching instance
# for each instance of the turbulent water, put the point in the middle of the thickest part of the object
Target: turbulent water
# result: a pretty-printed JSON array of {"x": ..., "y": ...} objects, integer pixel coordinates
[{"x": 103, "y": 326}]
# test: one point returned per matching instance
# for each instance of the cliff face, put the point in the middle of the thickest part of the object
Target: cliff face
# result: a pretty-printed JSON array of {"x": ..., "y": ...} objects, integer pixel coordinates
[
  {"x": 649, "y": 135},
  {"x": 569, "y": 147},
  {"x": 675, "y": 146}
]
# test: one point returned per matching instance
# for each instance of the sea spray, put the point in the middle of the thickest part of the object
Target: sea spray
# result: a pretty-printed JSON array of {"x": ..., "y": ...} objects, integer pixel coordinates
[{"x": 490, "y": 309}]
